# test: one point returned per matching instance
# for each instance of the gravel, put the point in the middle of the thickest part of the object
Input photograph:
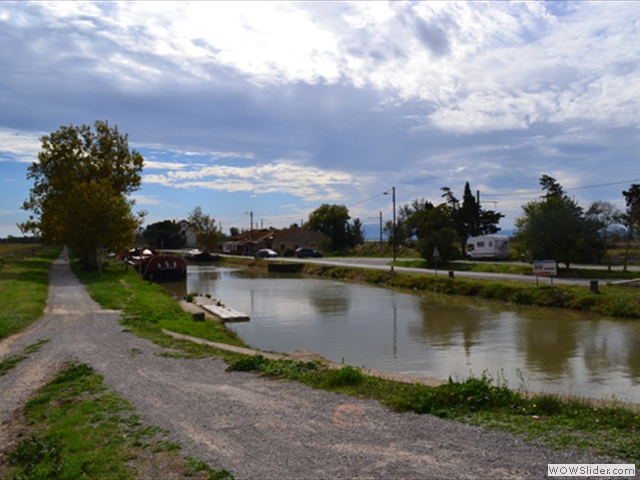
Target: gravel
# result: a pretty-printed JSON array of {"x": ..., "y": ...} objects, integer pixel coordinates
[{"x": 255, "y": 427}]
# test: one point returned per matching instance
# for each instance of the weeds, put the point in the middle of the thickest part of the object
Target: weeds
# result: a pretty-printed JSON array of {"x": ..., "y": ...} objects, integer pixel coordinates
[
  {"x": 78, "y": 429},
  {"x": 13, "y": 360}
]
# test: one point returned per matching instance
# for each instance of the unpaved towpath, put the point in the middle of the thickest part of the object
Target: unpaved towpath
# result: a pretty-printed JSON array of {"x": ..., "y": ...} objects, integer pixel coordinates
[{"x": 254, "y": 427}]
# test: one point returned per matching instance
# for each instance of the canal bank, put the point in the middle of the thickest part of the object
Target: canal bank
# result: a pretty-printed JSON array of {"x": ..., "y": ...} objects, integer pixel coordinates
[
  {"x": 421, "y": 333},
  {"x": 611, "y": 300}
]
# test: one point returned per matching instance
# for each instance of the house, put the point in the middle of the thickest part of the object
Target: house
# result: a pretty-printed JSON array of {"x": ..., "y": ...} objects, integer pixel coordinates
[
  {"x": 248, "y": 243},
  {"x": 189, "y": 233},
  {"x": 294, "y": 238}
]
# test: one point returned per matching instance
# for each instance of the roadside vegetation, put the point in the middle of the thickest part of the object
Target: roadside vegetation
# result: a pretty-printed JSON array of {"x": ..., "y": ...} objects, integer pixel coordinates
[
  {"x": 77, "y": 428},
  {"x": 558, "y": 422},
  {"x": 24, "y": 285},
  {"x": 521, "y": 269}
]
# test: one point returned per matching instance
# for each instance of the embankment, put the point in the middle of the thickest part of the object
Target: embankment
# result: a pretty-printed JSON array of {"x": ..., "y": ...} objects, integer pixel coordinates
[{"x": 615, "y": 301}]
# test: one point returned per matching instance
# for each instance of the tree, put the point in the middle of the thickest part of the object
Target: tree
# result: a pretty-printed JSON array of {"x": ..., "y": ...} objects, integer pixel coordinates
[
  {"x": 332, "y": 222},
  {"x": 79, "y": 198},
  {"x": 469, "y": 218},
  {"x": 356, "y": 232},
  {"x": 631, "y": 216},
  {"x": 435, "y": 229},
  {"x": 165, "y": 234},
  {"x": 604, "y": 215},
  {"x": 555, "y": 227},
  {"x": 406, "y": 224},
  {"x": 207, "y": 234}
]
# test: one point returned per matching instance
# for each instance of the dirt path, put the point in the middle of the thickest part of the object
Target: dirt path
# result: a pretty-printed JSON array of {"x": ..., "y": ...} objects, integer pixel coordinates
[{"x": 252, "y": 426}]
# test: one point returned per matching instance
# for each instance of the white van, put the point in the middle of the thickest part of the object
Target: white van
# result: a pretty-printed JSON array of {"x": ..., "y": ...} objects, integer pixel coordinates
[{"x": 488, "y": 246}]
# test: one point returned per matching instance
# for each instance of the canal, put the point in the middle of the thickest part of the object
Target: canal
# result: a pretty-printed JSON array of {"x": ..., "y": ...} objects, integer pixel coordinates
[{"x": 431, "y": 335}]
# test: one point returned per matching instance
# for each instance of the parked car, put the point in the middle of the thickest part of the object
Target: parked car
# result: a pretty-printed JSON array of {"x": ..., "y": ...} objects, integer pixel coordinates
[
  {"x": 266, "y": 253},
  {"x": 307, "y": 252}
]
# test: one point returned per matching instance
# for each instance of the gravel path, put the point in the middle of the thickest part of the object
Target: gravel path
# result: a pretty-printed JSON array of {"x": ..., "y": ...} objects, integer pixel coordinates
[{"x": 254, "y": 427}]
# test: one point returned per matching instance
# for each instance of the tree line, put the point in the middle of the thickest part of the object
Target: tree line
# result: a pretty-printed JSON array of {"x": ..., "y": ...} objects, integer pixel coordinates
[{"x": 83, "y": 178}]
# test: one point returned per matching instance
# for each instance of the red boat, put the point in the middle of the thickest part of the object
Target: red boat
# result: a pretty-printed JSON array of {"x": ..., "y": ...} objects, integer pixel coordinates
[
  {"x": 157, "y": 268},
  {"x": 164, "y": 268}
]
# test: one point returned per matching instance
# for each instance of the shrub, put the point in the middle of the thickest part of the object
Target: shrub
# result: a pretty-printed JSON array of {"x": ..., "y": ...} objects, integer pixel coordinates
[{"x": 347, "y": 376}]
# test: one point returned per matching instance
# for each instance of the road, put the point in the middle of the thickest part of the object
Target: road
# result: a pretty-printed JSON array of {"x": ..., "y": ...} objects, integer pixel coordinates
[{"x": 383, "y": 264}]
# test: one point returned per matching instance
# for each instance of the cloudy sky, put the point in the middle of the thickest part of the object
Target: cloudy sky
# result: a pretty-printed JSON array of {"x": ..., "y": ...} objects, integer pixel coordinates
[{"x": 277, "y": 107}]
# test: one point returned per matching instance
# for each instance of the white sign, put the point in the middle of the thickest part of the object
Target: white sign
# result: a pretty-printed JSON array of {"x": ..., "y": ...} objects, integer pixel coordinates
[{"x": 545, "y": 268}]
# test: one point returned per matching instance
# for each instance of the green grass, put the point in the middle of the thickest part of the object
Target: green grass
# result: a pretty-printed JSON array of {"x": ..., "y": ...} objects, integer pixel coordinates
[
  {"x": 148, "y": 309},
  {"x": 521, "y": 269},
  {"x": 77, "y": 428},
  {"x": 555, "y": 421},
  {"x": 24, "y": 287},
  {"x": 10, "y": 363}
]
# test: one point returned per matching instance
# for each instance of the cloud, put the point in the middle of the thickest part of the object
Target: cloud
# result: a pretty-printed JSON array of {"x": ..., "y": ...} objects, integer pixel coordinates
[
  {"x": 330, "y": 101},
  {"x": 309, "y": 183},
  {"x": 18, "y": 146}
]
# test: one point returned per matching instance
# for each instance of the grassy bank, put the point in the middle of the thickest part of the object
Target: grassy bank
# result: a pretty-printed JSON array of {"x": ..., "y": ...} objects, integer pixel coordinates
[
  {"x": 24, "y": 285},
  {"x": 616, "y": 301},
  {"x": 77, "y": 428},
  {"x": 148, "y": 309}
]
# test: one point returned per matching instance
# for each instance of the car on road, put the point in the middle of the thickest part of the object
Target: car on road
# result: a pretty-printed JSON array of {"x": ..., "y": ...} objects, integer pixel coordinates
[
  {"x": 266, "y": 253},
  {"x": 307, "y": 252}
]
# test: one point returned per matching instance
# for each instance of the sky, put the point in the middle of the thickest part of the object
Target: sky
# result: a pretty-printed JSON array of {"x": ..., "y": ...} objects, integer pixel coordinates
[{"x": 267, "y": 110}]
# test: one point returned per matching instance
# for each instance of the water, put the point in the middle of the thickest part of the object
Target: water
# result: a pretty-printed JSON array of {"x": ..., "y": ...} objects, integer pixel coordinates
[{"x": 432, "y": 335}]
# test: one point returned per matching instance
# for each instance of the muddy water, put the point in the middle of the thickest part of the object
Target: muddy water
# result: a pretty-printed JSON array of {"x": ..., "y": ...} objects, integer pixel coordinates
[{"x": 432, "y": 335}]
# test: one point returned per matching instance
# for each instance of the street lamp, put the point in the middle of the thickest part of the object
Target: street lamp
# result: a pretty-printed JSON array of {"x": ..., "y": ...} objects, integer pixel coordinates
[{"x": 393, "y": 191}]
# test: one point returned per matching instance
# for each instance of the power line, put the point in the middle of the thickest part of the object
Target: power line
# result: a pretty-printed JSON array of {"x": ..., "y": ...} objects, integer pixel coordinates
[
  {"x": 370, "y": 198},
  {"x": 605, "y": 184},
  {"x": 585, "y": 187}
]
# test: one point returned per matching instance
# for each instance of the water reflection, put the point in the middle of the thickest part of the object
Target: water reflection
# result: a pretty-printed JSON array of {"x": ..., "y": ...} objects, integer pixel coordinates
[{"x": 428, "y": 334}]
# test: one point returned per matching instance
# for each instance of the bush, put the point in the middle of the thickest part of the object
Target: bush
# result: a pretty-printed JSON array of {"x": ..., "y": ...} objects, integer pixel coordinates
[
  {"x": 459, "y": 397},
  {"x": 347, "y": 376}
]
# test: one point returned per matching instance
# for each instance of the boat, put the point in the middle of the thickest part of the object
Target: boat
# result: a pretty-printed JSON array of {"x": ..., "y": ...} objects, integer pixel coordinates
[
  {"x": 199, "y": 256},
  {"x": 157, "y": 268},
  {"x": 164, "y": 268}
]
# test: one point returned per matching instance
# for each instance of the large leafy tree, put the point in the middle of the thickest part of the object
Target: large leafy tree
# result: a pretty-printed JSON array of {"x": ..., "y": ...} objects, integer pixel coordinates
[
  {"x": 207, "y": 234},
  {"x": 165, "y": 234},
  {"x": 81, "y": 182},
  {"x": 631, "y": 216},
  {"x": 603, "y": 216},
  {"x": 555, "y": 227},
  {"x": 332, "y": 221},
  {"x": 434, "y": 228},
  {"x": 407, "y": 223},
  {"x": 355, "y": 232}
]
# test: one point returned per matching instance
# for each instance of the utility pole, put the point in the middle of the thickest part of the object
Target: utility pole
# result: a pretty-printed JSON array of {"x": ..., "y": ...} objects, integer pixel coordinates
[
  {"x": 251, "y": 225},
  {"x": 394, "y": 224},
  {"x": 393, "y": 190},
  {"x": 381, "y": 228}
]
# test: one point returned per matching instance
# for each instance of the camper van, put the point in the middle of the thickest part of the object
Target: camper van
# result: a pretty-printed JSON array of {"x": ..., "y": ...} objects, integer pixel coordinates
[{"x": 488, "y": 247}]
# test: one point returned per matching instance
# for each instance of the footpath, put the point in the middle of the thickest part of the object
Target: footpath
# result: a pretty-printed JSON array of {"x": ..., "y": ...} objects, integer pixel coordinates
[{"x": 254, "y": 427}]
